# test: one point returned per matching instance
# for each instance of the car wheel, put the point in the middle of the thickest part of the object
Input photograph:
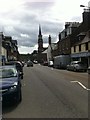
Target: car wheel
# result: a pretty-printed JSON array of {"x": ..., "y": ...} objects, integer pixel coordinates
[
  {"x": 22, "y": 77},
  {"x": 19, "y": 96},
  {"x": 67, "y": 68},
  {"x": 85, "y": 70},
  {"x": 74, "y": 70}
]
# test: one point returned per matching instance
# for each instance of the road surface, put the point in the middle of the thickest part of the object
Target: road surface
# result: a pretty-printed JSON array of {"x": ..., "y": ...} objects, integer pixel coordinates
[{"x": 51, "y": 93}]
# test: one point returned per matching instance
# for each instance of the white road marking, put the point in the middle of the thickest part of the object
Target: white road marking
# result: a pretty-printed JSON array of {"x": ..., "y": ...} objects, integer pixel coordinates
[{"x": 80, "y": 84}]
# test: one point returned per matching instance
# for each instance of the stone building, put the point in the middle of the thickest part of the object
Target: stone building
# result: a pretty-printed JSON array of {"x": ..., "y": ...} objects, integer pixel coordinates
[
  {"x": 8, "y": 48},
  {"x": 65, "y": 38},
  {"x": 80, "y": 49}
]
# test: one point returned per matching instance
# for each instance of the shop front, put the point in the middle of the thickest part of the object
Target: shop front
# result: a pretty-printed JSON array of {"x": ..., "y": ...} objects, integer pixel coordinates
[{"x": 83, "y": 56}]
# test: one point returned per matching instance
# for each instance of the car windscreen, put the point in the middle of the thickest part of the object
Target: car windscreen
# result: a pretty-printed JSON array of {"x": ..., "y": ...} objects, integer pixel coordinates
[
  {"x": 82, "y": 64},
  {"x": 8, "y": 72}
]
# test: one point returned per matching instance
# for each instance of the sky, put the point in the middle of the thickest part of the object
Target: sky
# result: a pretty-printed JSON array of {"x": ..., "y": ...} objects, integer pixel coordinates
[{"x": 20, "y": 19}]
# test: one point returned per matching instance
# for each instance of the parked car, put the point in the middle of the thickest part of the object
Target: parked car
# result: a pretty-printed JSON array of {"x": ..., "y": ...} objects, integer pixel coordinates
[
  {"x": 10, "y": 84},
  {"x": 50, "y": 63},
  {"x": 18, "y": 65},
  {"x": 35, "y": 62},
  {"x": 77, "y": 66},
  {"x": 61, "y": 61},
  {"x": 45, "y": 63},
  {"x": 29, "y": 64},
  {"x": 23, "y": 63}
]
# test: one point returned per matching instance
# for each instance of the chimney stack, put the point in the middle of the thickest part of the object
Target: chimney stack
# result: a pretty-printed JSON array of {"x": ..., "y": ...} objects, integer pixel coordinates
[{"x": 86, "y": 17}]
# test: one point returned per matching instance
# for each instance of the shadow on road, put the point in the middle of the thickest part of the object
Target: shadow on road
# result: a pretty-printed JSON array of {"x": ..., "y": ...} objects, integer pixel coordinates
[{"x": 8, "y": 107}]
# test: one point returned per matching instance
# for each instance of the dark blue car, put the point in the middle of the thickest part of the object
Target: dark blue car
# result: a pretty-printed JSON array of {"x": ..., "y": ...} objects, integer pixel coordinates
[{"x": 10, "y": 84}]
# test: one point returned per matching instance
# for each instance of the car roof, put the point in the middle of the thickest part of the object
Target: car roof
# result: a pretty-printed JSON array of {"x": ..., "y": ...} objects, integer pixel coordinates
[
  {"x": 29, "y": 61},
  {"x": 13, "y": 62},
  {"x": 78, "y": 62},
  {"x": 75, "y": 61},
  {"x": 8, "y": 66}
]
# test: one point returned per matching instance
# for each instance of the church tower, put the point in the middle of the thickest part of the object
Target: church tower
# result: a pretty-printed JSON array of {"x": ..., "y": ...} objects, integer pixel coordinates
[{"x": 40, "y": 41}]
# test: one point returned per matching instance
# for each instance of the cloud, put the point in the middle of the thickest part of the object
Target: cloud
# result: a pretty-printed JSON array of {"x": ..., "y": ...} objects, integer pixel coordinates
[
  {"x": 21, "y": 18},
  {"x": 77, "y": 18},
  {"x": 39, "y": 5},
  {"x": 25, "y": 22}
]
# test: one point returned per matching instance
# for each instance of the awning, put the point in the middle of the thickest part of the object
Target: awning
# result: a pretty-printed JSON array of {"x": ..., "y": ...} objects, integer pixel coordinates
[{"x": 82, "y": 54}]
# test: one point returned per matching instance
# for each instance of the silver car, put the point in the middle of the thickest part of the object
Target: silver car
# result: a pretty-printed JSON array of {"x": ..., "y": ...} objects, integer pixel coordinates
[
  {"x": 50, "y": 63},
  {"x": 29, "y": 64},
  {"x": 77, "y": 66}
]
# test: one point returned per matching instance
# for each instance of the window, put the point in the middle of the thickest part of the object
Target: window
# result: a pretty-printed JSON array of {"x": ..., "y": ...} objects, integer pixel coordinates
[
  {"x": 79, "y": 47},
  {"x": 74, "y": 48},
  {"x": 86, "y": 46}
]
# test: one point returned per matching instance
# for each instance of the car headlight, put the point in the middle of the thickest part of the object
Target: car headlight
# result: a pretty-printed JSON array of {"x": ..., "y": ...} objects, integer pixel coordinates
[
  {"x": 77, "y": 66},
  {"x": 13, "y": 87},
  {"x": 16, "y": 83}
]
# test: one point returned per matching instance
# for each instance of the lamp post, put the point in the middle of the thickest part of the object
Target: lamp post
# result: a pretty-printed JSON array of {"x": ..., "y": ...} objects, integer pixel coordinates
[
  {"x": 87, "y": 8},
  {"x": 83, "y": 6}
]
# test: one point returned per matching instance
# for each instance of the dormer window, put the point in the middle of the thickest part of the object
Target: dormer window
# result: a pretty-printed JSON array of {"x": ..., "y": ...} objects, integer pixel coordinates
[{"x": 81, "y": 36}]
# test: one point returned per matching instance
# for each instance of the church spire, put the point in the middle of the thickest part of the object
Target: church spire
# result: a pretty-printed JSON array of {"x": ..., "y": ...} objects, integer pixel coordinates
[
  {"x": 39, "y": 29},
  {"x": 40, "y": 41}
]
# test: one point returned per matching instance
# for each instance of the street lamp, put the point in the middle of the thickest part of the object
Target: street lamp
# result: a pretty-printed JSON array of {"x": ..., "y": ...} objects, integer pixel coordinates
[
  {"x": 88, "y": 8},
  {"x": 84, "y": 6}
]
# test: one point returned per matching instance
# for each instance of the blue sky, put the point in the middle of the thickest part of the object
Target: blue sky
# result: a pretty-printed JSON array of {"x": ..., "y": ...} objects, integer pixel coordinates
[{"x": 21, "y": 18}]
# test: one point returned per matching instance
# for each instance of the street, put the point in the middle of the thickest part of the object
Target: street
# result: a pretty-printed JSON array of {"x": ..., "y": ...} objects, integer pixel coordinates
[{"x": 51, "y": 93}]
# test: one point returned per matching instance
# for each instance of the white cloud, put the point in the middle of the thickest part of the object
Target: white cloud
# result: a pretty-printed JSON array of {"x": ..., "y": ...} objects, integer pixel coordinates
[
  {"x": 25, "y": 35},
  {"x": 21, "y": 18},
  {"x": 8, "y": 5},
  {"x": 25, "y": 50}
]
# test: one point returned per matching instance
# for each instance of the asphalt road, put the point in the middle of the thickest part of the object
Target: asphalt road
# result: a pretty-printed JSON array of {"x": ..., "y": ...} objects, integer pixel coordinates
[{"x": 51, "y": 93}]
